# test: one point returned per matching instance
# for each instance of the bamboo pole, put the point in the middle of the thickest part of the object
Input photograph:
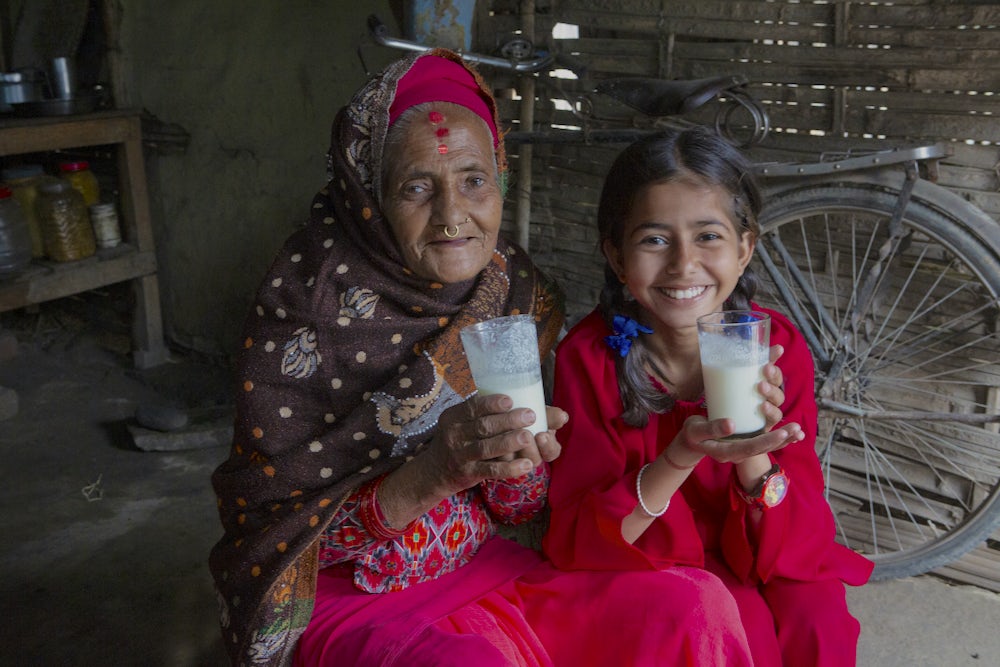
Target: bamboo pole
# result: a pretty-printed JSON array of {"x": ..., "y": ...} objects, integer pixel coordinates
[{"x": 525, "y": 151}]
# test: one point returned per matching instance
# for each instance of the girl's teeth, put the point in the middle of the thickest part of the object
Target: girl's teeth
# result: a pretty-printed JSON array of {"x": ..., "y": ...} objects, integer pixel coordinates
[{"x": 688, "y": 293}]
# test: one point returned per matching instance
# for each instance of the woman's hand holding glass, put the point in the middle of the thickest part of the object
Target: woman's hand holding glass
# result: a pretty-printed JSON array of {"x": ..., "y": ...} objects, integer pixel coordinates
[{"x": 483, "y": 438}]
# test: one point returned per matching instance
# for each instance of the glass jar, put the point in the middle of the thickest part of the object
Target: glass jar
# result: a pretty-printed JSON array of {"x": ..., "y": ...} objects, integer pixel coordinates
[
  {"x": 83, "y": 180},
  {"x": 104, "y": 218},
  {"x": 65, "y": 224},
  {"x": 23, "y": 180},
  {"x": 15, "y": 239}
]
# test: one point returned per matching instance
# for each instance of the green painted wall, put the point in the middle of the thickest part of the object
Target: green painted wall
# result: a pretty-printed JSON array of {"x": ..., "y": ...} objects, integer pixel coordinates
[{"x": 256, "y": 85}]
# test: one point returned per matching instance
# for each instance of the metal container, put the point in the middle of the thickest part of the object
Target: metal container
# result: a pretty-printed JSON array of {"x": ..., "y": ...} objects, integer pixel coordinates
[
  {"x": 63, "y": 78},
  {"x": 20, "y": 87}
]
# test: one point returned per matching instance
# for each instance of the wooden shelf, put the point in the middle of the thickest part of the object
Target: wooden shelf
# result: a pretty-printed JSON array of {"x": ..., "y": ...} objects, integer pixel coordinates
[{"x": 134, "y": 260}]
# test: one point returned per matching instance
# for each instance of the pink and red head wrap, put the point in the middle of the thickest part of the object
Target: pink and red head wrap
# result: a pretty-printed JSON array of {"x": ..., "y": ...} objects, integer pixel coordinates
[{"x": 436, "y": 79}]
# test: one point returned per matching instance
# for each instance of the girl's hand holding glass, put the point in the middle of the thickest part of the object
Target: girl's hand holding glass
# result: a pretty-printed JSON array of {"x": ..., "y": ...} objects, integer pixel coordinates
[{"x": 700, "y": 437}]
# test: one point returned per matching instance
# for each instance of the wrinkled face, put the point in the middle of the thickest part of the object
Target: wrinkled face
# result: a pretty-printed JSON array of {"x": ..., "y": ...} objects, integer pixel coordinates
[
  {"x": 441, "y": 195},
  {"x": 681, "y": 253}
]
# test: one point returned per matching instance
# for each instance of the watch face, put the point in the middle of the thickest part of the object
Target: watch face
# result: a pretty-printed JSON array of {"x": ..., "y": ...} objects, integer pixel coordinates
[{"x": 775, "y": 489}]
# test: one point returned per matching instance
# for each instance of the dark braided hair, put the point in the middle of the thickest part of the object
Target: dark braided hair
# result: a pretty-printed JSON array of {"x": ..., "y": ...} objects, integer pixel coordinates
[{"x": 697, "y": 154}]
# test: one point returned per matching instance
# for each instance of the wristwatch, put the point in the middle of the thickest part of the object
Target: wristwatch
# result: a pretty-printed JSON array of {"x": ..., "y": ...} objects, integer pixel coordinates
[{"x": 769, "y": 492}]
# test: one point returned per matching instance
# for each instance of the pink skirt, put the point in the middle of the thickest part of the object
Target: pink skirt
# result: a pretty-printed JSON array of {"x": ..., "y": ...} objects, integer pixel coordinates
[{"x": 510, "y": 607}]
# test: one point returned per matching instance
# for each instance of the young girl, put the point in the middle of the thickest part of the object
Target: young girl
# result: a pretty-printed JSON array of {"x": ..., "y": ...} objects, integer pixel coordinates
[{"x": 645, "y": 481}]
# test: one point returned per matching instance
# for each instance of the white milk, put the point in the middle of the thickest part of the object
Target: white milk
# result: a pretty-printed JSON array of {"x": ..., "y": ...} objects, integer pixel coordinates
[
  {"x": 731, "y": 391},
  {"x": 525, "y": 389}
]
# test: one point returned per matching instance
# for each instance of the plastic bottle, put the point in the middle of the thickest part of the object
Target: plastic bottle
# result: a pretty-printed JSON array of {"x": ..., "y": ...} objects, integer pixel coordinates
[
  {"x": 15, "y": 239},
  {"x": 83, "y": 180},
  {"x": 23, "y": 180},
  {"x": 65, "y": 224}
]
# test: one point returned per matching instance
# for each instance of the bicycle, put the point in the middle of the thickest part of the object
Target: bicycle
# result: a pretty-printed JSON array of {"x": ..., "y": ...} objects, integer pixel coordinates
[{"x": 895, "y": 283}]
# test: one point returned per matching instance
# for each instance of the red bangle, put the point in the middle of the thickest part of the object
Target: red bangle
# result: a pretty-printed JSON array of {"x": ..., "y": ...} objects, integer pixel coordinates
[
  {"x": 371, "y": 513},
  {"x": 666, "y": 457}
]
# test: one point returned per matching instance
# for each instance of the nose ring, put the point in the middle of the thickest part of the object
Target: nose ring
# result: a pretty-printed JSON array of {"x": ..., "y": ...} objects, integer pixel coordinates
[{"x": 468, "y": 220}]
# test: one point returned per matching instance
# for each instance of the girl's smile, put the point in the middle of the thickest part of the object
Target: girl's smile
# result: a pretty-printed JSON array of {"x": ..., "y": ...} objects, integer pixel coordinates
[{"x": 682, "y": 253}]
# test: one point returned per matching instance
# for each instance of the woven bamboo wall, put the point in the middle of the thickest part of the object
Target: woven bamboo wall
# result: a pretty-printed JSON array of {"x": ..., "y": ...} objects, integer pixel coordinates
[{"x": 835, "y": 75}]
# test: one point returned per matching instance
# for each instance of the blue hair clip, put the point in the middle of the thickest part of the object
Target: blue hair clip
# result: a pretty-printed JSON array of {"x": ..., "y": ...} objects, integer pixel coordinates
[{"x": 625, "y": 330}]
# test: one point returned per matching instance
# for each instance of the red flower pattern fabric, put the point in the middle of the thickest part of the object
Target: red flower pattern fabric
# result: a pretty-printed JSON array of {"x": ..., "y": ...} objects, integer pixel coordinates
[{"x": 438, "y": 542}]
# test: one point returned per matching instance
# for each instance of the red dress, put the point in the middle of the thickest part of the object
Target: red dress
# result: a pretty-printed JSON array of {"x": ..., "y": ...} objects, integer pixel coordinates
[
  {"x": 788, "y": 580},
  {"x": 449, "y": 592}
]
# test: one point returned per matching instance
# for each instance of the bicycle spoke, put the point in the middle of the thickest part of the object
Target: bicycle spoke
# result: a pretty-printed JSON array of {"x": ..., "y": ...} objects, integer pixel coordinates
[
  {"x": 909, "y": 322},
  {"x": 785, "y": 292}
]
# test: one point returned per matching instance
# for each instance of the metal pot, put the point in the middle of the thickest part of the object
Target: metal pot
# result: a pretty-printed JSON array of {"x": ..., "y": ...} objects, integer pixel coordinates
[{"x": 21, "y": 86}]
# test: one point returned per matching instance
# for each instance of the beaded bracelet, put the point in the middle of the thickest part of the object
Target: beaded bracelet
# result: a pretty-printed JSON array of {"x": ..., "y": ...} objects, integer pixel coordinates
[
  {"x": 371, "y": 513},
  {"x": 638, "y": 493}
]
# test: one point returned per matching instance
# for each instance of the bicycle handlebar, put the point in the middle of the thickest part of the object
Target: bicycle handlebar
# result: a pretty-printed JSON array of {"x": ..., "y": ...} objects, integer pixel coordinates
[{"x": 381, "y": 35}]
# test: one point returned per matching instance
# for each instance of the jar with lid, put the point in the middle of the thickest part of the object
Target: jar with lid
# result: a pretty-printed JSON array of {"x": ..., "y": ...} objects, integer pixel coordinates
[
  {"x": 65, "y": 224},
  {"x": 83, "y": 180},
  {"x": 15, "y": 239},
  {"x": 23, "y": 180}
]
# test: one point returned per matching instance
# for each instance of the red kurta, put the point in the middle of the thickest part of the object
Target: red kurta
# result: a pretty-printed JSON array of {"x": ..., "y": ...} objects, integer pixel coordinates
[{"x": 593, "y": 489}]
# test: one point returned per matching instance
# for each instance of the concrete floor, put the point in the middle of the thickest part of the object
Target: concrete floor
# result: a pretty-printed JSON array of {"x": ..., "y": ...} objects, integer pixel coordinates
[{"x": 104, "y": 545}]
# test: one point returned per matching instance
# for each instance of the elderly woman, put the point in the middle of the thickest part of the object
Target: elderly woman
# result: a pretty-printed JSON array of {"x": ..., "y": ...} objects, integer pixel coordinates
[{"x": 366, "y": 480}]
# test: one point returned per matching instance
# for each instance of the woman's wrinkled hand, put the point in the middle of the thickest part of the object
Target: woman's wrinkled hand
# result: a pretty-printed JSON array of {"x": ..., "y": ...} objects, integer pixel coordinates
[{"x": 483, "y": 438}]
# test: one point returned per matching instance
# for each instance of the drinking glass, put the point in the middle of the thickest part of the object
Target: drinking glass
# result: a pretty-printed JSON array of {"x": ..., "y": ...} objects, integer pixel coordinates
[
  {"x": 503, "y": 358},
  {"x": 734, "y": 347}
]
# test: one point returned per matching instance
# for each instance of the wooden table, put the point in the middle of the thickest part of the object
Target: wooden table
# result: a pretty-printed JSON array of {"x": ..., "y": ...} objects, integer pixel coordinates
[{"x": 134, "y": 259}]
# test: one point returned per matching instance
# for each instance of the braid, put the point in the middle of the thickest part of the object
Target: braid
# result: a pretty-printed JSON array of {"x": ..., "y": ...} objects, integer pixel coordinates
[
  {"x": 638, "y": 395},
  {"x": 748, "y": 283}
]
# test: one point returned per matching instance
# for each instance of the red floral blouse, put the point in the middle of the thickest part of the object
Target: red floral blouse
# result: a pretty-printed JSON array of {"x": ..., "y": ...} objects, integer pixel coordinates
[{"x": 439, "y": 542}]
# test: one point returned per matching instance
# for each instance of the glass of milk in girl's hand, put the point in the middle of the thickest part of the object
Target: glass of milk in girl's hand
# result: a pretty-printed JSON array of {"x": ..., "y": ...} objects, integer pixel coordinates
[
  {"x": 503, "y": 358},
  {"x": 734, "y": 346}
]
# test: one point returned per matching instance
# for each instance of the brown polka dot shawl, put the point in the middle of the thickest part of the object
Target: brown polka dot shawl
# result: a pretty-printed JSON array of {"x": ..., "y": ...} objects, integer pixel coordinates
[{"x": 347, "y": 363}]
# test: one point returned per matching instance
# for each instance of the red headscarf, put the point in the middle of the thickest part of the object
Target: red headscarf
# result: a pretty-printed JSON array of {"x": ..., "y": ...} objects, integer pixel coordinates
[{"x": 436, "y": 79}]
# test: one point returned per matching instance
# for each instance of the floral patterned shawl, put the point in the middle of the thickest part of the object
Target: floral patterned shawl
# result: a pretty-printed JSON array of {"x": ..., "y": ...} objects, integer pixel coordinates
[{"x": 347, "y": 363}]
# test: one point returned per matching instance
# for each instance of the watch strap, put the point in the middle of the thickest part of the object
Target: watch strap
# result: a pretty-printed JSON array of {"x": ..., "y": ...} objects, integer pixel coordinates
[{"x": 756, "y": 496}]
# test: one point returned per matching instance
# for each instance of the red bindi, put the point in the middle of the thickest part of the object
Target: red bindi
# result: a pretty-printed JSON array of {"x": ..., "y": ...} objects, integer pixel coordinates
[
  {"x": 435, "y": 117},
  {"x": 441, "y": 132},
  {"x": 442, "y": 149}
]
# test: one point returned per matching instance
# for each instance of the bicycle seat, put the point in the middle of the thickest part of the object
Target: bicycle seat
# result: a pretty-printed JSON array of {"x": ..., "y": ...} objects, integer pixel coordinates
[{"x": 661, "y": 97}]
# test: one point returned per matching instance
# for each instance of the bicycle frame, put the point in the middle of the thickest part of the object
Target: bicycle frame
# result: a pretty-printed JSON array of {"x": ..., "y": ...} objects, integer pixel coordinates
[{"x": 910, "y": 158}]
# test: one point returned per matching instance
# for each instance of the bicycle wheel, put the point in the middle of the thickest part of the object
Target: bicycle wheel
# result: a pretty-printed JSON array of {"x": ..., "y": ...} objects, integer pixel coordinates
[{"x": 902, "y": 320}]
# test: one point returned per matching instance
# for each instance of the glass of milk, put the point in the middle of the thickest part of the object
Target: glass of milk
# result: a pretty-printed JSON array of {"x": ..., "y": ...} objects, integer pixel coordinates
[
  {"x": 503, "y": 357},
  {"x": 734, "y": 346}
]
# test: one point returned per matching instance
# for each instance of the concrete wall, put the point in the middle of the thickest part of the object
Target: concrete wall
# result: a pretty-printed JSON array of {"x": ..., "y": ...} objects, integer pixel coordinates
[{"x": 256, "y": 85}]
